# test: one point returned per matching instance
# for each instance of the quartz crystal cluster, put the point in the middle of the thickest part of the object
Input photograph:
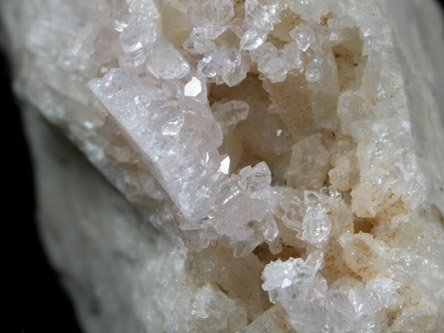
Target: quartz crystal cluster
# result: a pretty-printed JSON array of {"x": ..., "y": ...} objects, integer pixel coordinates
[{"x": 282, "y": 161}]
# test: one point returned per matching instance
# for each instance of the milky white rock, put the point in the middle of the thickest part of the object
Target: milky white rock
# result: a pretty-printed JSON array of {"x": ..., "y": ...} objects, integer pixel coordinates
[{"x": 281, "y": 162}]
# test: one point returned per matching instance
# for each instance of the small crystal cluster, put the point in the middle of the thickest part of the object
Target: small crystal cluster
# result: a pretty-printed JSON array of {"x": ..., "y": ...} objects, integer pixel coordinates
[
  {"x": 300, "y": 288},
  {"x": 285, "y": 147}
]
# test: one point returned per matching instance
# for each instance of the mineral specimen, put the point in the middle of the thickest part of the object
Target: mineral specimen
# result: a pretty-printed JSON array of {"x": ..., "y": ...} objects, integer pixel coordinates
[{"x": 281, "y": 160}]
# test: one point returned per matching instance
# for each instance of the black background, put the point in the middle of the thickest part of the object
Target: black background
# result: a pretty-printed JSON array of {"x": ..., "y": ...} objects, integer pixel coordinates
[{"x": 35, "y": 301}]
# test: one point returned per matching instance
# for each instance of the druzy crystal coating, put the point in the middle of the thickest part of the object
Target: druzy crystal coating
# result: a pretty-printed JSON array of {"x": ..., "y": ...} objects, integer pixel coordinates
[{"x": 289, "y": 152}]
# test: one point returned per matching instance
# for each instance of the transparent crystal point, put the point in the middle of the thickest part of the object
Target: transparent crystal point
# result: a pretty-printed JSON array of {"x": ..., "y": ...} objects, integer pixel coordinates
[
  {"x": 270, "y": 228},
  {"x": 224, "y": 66},
  {"x": 229, "y": 114},
  {"x": 256, "y": 178},
  {"x": 211, "y": 18},
  {"x": 165, "y": 61}
]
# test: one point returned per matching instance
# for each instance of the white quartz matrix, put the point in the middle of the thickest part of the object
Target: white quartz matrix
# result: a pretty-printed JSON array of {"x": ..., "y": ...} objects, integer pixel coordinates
[{"x": 281, "y": 161}]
